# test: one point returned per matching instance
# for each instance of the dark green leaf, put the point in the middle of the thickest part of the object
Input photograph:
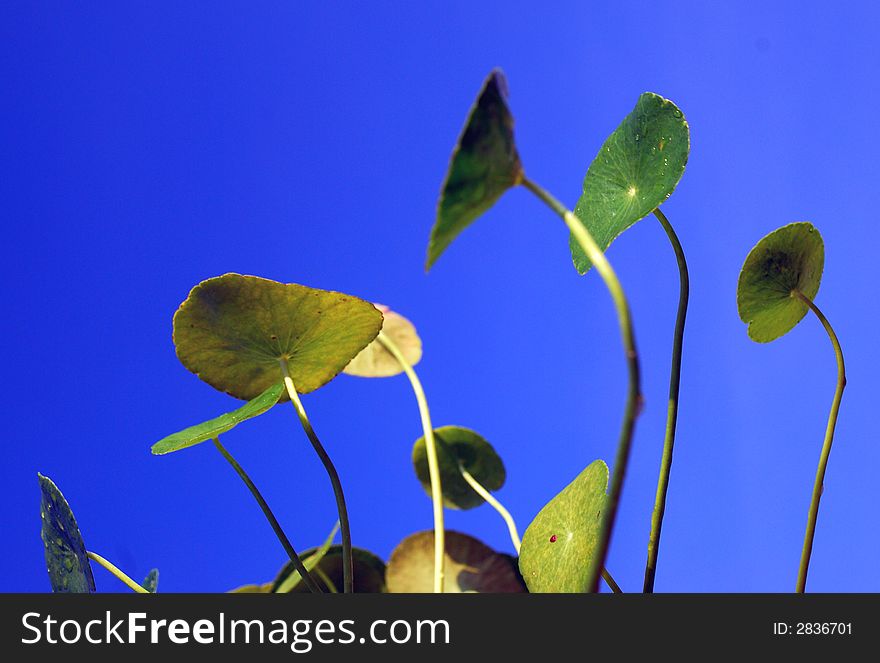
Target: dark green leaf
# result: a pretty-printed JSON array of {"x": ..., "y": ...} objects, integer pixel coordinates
[
  {"x": 636, "y": 169},
  {"x": 233, "y": 331},
  {"x": 471, "y": 566},
  {"x": 66, "y": 559},
  {"x": 559, "y": 545},
  {"x": 460, "y": 445},
  {"x": 289, "y": 577},
  {"x": 484, "y": 164},
  {"x": 209, "y": 430},
  {"x": 368, "y": 572},
  {"x": 374, "y": 361},
  {"x": 151, "y": 582},
  {"x": 790, "y": 258}
]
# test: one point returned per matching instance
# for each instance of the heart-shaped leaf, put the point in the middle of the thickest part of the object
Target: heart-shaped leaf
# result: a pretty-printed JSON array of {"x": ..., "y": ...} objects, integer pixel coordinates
[
  {"x": 558, "y": 546},
  {"x": 636, "y": 169},
  {"x": 460, "y": 445},
  {"x": 484, "y": 164},
  {"x": 66, "y": 559},
  {"x": 209, "y": 430},
  {"x": 471, "y": 566},
  {"x": 233, "y": 331},
  {"x": 790, "y": 258},
  {"x": 374, "y": 361},
  {"x": 368, "y": 572},
  {"x": 151, "y": 582}
]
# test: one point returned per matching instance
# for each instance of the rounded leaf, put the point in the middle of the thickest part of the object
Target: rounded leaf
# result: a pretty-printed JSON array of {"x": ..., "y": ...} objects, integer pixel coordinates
[
  {"x": 460, "y": 445},
  {"x": 790, "y": 258},
  {"x": 66, "y": 558},
  {"x": 374, "y": 361},
  {"x": 233, "y": 331},
  {"x": 558, "y": 546},
  {"x": 368, "y": 572},
  {"x": 484, "y": 164},
  {"x": 637, "y": 168},
  {"x": 471, "y": 566}
]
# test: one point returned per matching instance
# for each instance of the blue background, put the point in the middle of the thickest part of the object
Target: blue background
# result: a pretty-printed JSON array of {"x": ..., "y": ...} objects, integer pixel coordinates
[{"x": 148, "y": 146}]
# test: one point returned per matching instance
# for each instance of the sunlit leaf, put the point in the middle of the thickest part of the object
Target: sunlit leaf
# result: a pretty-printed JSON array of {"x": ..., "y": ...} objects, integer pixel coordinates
[
  {"x": 66, "y": 559},
  {"x": 471, "y": 566},
  {"x": 558, "y": 546},
  {"x": 151, "y": 582},
  {"x": 637, "y": 168},
  {"x": 484, "y": 164},
  {"x": 460, "y": 445},
  {"x": 790, "y": 258},
  {"x": 233, "y": 331},
  {"x": 209, "y": 430},
  {"x": 374, "y": 361}
]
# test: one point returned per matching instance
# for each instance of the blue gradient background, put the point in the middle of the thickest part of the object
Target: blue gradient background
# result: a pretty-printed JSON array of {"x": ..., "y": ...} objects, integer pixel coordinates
[{"x": 147, "y": 146}]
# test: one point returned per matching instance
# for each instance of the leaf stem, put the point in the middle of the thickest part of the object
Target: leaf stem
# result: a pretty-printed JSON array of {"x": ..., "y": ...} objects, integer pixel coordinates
[
  {"x": 819, "y": 485},
  {"x": 611, "y": 583},
  {"x": 433, "y": 463},
  {"x": 495, "y": 504},
  {"x": 634, "y": 396},
  {"x": 116, "y": 572},
  {"x": 672, "y": 411},
  {"x": 347, "y": 557},
  {"x": 282, "y": 537}
]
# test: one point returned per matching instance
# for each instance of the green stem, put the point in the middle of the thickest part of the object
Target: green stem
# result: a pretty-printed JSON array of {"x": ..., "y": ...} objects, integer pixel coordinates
[
  {"x": 331, "y": 587},
  {"x": 347, "y": 557},
  {"x": 613, "y": 585},
  {"x": 433, "y": 463},
  {"x": 634, "y": 396},
  {"x": 115, "y": 571},
  {"x": 495, "y": 504},
  {"x": 818, "y": 486},
  {"x": 672, "y": 411},
  {"x": 282, "y": 537}
]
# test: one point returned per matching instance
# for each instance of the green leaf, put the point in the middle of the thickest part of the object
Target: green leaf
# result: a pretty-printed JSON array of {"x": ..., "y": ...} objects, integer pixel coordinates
[
  {"x": 66, "y": 559},
  {"x": 484, "y": 164},
  {"x": 209, "y": 430},
  {"x": 471, "y": 566},
  {"x": 151, "y": 582},
  {"x": 368, "y": 572},
  {"x": 289, "y": 577},
  {"x": 790, "y": 258},
  {"x": 265, "y": 588},
  {"x": 637, "y": 168},
  {"x": 559, "y": 545},
  {"x": 460, "y": 445},
  {"x": 233, "y": 331},
  {"x": 374, "y": 361}
]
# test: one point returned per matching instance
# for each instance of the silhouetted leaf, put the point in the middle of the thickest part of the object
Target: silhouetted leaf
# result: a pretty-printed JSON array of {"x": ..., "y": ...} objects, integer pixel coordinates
[
  {"x": 637, "y": 168},
  {"x": 460, "y": 445},
  {"x": 790, "y": 258},
  {"x": 484, "y": 164},
  {"x": 559, "y": 545}
]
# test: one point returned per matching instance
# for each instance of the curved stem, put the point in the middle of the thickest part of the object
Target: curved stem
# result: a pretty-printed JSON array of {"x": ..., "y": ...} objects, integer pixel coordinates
[
  {"x": 116, "y": 572},
  {"x": 611, "y": 583},
  {"x": 634, "y": 396},
  {"x": 433, "y": 463},
  {"x": 495, "y": 504},
  {"x": 347, "y": 558},
  {"x": 282, "y": 537},
  {"x": 672, "y": 411},
  {"x": 818, "y": 486}
]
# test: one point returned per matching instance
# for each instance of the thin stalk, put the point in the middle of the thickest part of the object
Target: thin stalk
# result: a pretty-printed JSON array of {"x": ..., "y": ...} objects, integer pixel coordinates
[
  {"x": 115, "y": 571},
  {"x": 672, "y": 411},
  {"x": 634, "y": 396},
  {"x": 433, "y": 463},
  {"x": 819, "y": 485},
  {"x": 613, "y": 585},
  {"x": 347, "y": 558},
  {"x": 282, "y": 537},
  {"x": 495, "y": 504},
  {"x": 331, "y": 587}
]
